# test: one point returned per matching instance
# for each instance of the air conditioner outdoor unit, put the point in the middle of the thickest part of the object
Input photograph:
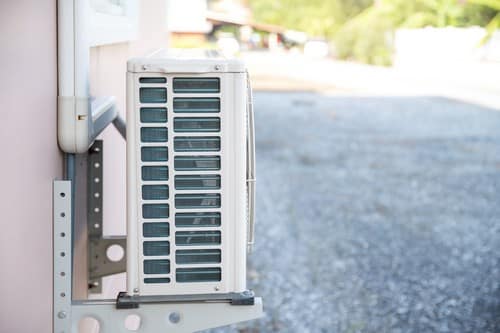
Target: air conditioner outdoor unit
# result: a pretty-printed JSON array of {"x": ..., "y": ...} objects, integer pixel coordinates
[{"x": 190, "y": 160}]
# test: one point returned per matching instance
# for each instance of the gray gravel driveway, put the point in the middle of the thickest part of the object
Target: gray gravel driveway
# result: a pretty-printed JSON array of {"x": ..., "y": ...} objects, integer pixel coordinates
[{"x": 376, "y": 214}]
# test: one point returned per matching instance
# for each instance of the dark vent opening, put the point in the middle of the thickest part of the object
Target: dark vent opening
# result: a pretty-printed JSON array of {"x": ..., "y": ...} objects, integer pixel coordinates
[
  {"x": 192, "y": 163},
  {"x": 203, "y": 256},
  {"x": 159, "y": 266},
  {"x": 190, "y": 238},
  {"x": 153, "y": 80},
  {"x": 153, "y": 115},
  {"x": 155, "y": 211},
  {"x": 153, "y": 95},
  {"x": 156, "y": 248},
  {"x": 155, "y": 229},
  {"x": 198, "y": 274},
  {"x": 198, "y": 85},
  {"x": 197, "y": 220}
]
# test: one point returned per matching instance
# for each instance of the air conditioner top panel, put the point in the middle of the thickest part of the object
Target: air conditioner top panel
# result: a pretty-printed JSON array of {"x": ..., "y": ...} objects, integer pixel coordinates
[{"x": 185, "y": 61}]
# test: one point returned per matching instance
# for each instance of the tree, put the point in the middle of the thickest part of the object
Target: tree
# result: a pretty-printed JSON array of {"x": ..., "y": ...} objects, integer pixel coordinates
[
  {"x": 316, "y": 17},
  {"x": 494, "y": 23}
]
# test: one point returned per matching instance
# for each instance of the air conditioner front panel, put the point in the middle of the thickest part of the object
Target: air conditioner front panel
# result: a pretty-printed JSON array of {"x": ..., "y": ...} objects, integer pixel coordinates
[{"x": 187, "y": 210}]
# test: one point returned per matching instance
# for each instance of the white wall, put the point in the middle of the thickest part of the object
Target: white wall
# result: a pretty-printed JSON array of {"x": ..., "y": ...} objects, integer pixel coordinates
[
  {"x": 449, "y": 47},
  {"x": 30, "y": 160}
]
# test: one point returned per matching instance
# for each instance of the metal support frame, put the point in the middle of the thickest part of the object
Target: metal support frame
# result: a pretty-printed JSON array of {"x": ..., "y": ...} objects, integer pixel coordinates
[
  {"x": 154, "y": 314},
  {"x": 99, "y": 265}
]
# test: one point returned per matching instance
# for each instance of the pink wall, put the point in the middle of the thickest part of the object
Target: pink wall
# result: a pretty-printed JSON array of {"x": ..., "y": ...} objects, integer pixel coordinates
[
  {"x": 30, "y": 156},
  {"x": 30, "y": 161}
]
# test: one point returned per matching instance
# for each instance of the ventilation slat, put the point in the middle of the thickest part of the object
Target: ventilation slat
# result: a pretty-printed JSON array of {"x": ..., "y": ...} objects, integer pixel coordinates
[
  {"x": 153, "y": 95},
  {"x": 196, "y": 163},
  {"x": 196, "y": 85},
  {"x": 155, "y": 192},
  {"x": 157, "y": 280},
  {"x": 198, "y": 274},
  {"x": 155, "y": 211},
  {"x": 202, "y": 256},
  {"x": 209, "y": 124},
  {"x": 154, "y": 134},
  {"x": 153, "y": 115},
  {"x": 156, "y": 248},
  {"x": 153, "y": 80},
  {"x": 193, "y": 238},
  {"x": 203, "y": 200},
  {"x": 197, "y": 182},
  {"x": 196, "y": 105},
  {"x": 189, "y": 220},
  {"x": 156, "y": 172},
  {"x": 155, "y": 229},
  {"x": 196, "y": 143},
  {"x": 154, "y": 154},
  {"x": 156, "y": 266}
]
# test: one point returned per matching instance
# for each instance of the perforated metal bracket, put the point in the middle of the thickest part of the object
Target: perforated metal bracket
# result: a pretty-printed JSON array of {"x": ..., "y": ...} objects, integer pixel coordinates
[
  {"x": 99, "y": 265},
  {"x": 62, "y": 213}
]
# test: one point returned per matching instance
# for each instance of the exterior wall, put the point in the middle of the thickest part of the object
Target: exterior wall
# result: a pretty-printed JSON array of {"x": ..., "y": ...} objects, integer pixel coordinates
[
  {"x": 31, "y": 158},
  {"x": 30, "y": 161},
  {"x": 107, "y": 77}
]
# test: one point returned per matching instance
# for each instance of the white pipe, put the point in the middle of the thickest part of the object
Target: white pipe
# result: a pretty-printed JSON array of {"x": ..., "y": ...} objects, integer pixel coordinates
[
  {"x": 73, "y": 120},
  {"x": 77, "y": 126},
  {"x": 82, "y": 47},
  {"x": 65, "y": 47}
]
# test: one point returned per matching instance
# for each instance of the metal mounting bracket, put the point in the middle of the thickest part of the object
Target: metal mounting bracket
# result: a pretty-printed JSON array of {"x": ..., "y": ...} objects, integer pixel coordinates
[
  {"x": 153, "y": 315},
  {"x": 99, "y": 265}
]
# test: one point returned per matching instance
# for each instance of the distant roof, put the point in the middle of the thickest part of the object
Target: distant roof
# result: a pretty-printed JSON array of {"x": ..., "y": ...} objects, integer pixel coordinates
[{"x": 216, "y": 17}]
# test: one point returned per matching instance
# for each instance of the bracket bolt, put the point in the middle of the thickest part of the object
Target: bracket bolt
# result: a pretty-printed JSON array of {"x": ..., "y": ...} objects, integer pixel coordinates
[
  {"x": 217, "y": 67},
  {"x": 61, "y": 314},
  {"x": 136, "y": 290},
  {"x": 174, "y": 317}
]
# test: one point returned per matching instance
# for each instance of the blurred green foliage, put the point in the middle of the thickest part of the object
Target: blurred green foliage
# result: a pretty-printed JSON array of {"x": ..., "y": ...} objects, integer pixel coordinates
[
  {"x": 363, "y": 30},
  {"x": 316, "y": 17}
]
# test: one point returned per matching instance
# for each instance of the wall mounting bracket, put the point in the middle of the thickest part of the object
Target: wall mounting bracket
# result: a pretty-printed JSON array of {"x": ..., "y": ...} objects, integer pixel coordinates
[
  {"x": 99, "y": 265},
  {"x": 152, "y": 316}
]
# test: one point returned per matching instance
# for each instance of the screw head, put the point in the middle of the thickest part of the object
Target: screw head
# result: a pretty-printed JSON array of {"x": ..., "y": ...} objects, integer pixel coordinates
[
  {"x": 61, "y": 314},
  {"x": 217, "y": 67},
  {"x": 174, "y": 317},
  {"x": 136, "y": 290},
  {"x": 216, "y": 288}
]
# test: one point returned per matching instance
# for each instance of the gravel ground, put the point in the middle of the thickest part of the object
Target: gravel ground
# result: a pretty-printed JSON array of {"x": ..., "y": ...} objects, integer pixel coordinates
[{"x": 376, "y": 214}]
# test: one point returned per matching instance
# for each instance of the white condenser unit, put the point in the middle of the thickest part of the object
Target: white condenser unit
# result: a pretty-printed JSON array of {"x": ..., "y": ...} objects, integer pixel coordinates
[{"x": 190, "y": 160}]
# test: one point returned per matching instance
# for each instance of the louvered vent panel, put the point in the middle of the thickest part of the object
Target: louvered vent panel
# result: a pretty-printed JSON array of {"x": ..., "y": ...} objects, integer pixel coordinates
[
  {"x": 197, "y": 197},
  {"x": 153, "y": 138}
]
